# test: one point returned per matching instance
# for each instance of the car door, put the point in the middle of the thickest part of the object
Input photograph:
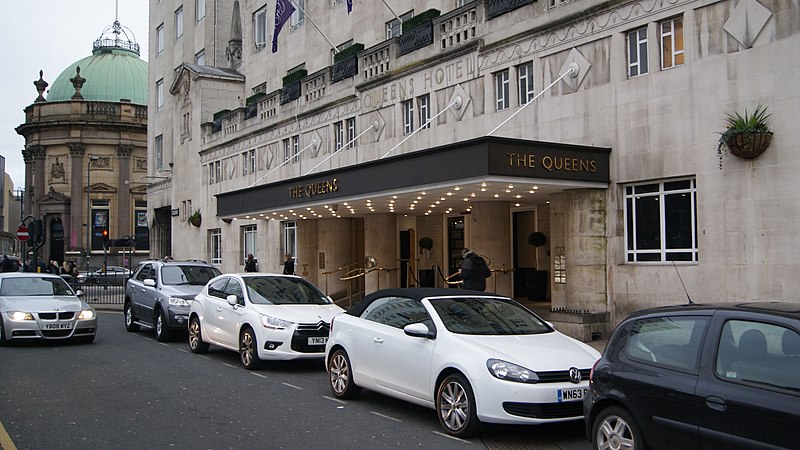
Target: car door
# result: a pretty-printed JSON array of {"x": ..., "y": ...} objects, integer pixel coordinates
[
  {"x": 750, "y": 383},
  {"x": 213, "y": 316},
  {"x": 138, "y": 290},
  {"x": 398, "y": 362},
  {"x": 231, "y": 316}
]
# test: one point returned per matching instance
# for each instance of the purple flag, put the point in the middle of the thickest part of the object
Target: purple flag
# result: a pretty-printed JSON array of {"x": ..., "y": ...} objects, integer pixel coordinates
[
  {"x": 349, "y": 6},
  {"x": 283, "y": 10}
]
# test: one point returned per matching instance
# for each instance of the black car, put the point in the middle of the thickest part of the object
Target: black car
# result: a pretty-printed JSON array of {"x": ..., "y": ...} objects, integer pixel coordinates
[{"x": 699, "y": 376}]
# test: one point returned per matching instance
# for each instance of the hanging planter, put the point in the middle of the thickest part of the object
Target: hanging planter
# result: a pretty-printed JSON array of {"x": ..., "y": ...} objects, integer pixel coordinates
[
  {"x": 747, "y": 136},
  {"x": 195, "y": 218}
]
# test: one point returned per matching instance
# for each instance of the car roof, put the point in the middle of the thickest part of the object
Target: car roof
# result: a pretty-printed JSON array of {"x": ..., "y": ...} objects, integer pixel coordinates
[
  {"x": 416, "y": 294},
  {"x": 778, "y": 308},
  {"x": 27, "y": 275}
]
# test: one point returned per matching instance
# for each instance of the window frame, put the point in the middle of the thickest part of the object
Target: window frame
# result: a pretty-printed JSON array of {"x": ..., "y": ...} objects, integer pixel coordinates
[
  {"x": 199, "y": 10},
  {"x": 215, "y": 246},
  {"x": 260, "y": 27},
  {"x": 249, "y": 241},
  {"x": 179, "y": 22},
  {"x": 338, "y": 135},
  {"x": 289, "y": 234},
  {"x": 424, "y": 107},
  {"x": 200, "y": 58},
  {"x": 158, "y": 151},
  {"x": 641, "y": 47},
  {"x": 298, "y": 17},
  {"x": 160, "y": 94},
  {"x": 408, "y": 116},
  {"x": 350, "y": 126},
  {"x": 674, "y": 41},
  {"x": 502, "y": 90},
  {"x": 160, "y": 39},
  {"x": 525, "y": 84}
]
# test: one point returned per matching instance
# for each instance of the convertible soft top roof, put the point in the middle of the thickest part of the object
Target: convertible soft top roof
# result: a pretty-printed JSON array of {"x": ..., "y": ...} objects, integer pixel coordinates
[{"x": 416, "y": 294}]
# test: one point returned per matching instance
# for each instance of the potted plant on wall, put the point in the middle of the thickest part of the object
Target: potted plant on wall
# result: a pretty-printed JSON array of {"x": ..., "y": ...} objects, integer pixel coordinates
[
  {"x": 426, "y": 276},
  {"x": 195, "y": 218},
  {"x": 536, "y": 280},
  {"x": 745, "y": 136}
]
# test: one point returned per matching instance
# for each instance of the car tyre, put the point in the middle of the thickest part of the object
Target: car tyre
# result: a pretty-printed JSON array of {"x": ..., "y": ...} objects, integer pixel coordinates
[
  {"x": 248, "y": 349},
  {"x": 340, "y": 375},
  {"x": 130, "y": 321},
  {"x": 196, "y": 344},
  {"x": 455, "y": 406},
  {"x": 3, "y": 341},
  {"x": 163, "y": 333},
  {"x": 615, "y": 428}
]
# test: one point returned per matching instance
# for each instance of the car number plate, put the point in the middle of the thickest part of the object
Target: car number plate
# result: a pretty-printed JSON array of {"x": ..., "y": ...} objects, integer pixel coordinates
[
  {"x": 317, "y": 340},
  {"x": 571, "y": 395},
  {"x": 57, "y": 326}
]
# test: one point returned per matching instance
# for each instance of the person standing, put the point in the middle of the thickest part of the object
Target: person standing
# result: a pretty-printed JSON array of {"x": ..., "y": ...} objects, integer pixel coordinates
[
  {"x": 474, "y": 271},
  {"x": 250, "y": 264},
  {"x": 288, "y": 264}
]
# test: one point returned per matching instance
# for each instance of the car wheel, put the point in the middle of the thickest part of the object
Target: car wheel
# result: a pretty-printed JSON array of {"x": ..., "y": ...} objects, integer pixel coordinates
[
  {"x": 340, "y": 375},
  {"x": 130, "y": 321},
  {"x": 614, "y": 428},
  {"x": 3, "y": 341},
  {"x": 162, "y": 332},
  {"x": 455, "y": 405},
  {"x": 196, "y": 344},
  {"x": 248, "y": 349}
]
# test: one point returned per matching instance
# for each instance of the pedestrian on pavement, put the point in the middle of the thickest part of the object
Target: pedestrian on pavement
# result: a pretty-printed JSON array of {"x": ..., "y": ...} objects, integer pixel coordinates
[
  {"x": 6, "y": 265},
  {"x": 54, "y": 267},
  {"x": 474, "y": 271},
  {"x": 250, "y": 265},
  {"x": 288, "y": 264}
]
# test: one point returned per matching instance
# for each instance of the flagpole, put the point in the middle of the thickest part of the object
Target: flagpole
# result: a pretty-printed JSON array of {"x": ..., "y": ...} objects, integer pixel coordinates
[
  {"x": 335, "y": 50},
  {"x": 390, "y": 9}
]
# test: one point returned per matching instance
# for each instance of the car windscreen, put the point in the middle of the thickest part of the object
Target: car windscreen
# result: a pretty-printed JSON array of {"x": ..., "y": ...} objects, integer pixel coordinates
[
  {"x": 283, "y": 291},
  {"x": 191, "y": 275},
  {"x": 34, "y": 286},
  {"x": 487, "y": 316}
]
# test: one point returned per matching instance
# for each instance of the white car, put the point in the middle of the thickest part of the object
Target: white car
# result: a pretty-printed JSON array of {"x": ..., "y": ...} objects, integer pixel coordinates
[
  {"x": 473, "y": 357},
  {"x": 261, "y": 316},
  {"x": 36, "y": 306}
]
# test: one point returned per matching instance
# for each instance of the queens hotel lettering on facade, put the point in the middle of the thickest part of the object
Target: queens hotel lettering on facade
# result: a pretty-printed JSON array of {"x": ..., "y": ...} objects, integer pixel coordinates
[{"x": 592, "y": 122}]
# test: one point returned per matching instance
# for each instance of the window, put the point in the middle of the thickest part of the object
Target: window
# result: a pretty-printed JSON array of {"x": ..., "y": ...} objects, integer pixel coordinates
[
  {"x": 160, "y": 93},
  {"x": 179, "y": 22},
  {"x": 260, "y": 28},
  {"x": 759, "y": 354},
  {"x": 525, "y": 78},
  {"x": 394, "y": 27},
  {"x": 253, "y": 161},
  {"x": 351, "y": 132},
  {"x": 140, "y": 225},
  {"x": 160, "y": 39},
  {"x": 296, "y": 148},
  {"x": 249, "y": 241},
  {"x": 397, "y": 312},
  {"x": 218, "y": 170},
  {"x": 299, "y": 15},
  {"x": 245, "y": 163},
  {"x": 670, "y": 342},
  {"x": 424, "y": 102},
  {"x": 199, "y": 10},
  {"x": 211, "y": 178},
  {"x": 100, "y": 214},
  {"x": 159, "y": 152},
  {"x": 661, "y": 222},
  {"x": 215, "y": 246},
  {"x": 290, "y": 238},
  {"x": 408, "y": 116},
  {"x": 287, "y": 149},
  {"x": 637, "y": 52},
  {"x": 460, "y": 3},
  {"x": 501, "y": 86},
  {"x": 200, "y": 58},
  {"x": 338, "y": 135},
  {"x": 671, "y": 43}
]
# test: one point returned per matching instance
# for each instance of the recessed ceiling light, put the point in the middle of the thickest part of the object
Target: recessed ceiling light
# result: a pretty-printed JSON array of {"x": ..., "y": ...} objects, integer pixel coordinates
[
  {"x": 419, "y": 198},
  {"x": 415, "y": 202},
  {"x": 496, "y": 195},
  {"x": 508, "y": 191},
  {"x": 466, "y": 199},
  {"x": 394, "y": 196},
  {"x": 472, "y": 195},
  {"x": 518, "y": 196},
  {"x": 449, "y": 194},
  {"x": 437, "y": 201},
  {"x": 511, "y": 186},
  {"x": 483, "y": 184},
  {"x": 516, "y": 204},
  {"x": 424, "y": 193},
  {"x": 456, "y": 188},
  {"x": 483, "y": 189},
  {"x": 536, "y": 187}
]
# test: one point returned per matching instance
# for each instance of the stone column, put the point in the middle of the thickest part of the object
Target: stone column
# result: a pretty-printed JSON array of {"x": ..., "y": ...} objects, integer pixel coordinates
[
  {"x": 380, "y": 242},
  {"x": 27, "y": 156},
  {"x": 124, "y": 207},
  {"x": 489, "y": 235},
  {"x": 74, "y": 232},
  {"x": 307, "y": 258},
  {"x": 39, "y": 176},
  {"x": 335, "y": 249}
]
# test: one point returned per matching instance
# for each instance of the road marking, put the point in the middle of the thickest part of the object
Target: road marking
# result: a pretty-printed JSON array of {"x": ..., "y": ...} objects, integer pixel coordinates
[
  {"x": 230, "y": 365},
  {"x": 451, "y": 437},
  {"x": 335, "y": 399},
  {"x": 183, "y": 350},
  {"x": 259, "y": 375},
  {"x": 149, "y": 339},
  {"x": 165, "y": 345},
  {"x": 385, "y": 416},
  {"x": 5, "y": 440},
  {"x": 293, "y": 386},
  {"x": 205, "y": 357}
]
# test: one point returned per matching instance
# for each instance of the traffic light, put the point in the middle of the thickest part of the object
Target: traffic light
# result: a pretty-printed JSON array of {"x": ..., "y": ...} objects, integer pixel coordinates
[
  {"x": 36, "y": 231},
  {"x": 105, "y": 238}
]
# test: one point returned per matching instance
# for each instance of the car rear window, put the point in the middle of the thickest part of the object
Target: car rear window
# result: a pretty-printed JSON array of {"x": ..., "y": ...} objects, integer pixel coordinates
[
  {"x": 672, "y": 342},
  {"x": 191, "y": 275}
]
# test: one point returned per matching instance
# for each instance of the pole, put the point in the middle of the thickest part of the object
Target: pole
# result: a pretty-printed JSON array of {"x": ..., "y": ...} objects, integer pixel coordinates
[
  {"x": 89, "y": 210},
  {"x": 335, "y": 50}
]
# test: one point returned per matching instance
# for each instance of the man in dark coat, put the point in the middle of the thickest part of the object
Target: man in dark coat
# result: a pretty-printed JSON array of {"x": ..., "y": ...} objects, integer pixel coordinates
[
  {"x": 474, "y": 271},
  {"x": 250, "y": 264}
]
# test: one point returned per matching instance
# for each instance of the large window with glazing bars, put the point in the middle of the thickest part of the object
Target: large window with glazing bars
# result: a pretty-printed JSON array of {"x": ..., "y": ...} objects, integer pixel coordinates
[{"x": 661, "y": 221}]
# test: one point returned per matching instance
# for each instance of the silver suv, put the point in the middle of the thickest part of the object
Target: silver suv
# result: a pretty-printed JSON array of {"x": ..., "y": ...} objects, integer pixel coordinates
[{"x": 158, "y": 294}]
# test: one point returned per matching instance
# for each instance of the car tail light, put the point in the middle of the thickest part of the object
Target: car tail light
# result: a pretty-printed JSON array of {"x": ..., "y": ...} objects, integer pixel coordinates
[{"x": 591, "y": 373}]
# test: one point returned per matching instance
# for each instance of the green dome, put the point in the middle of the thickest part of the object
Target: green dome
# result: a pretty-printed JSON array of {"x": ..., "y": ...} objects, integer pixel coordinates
[{"x": 111, "y": 74}]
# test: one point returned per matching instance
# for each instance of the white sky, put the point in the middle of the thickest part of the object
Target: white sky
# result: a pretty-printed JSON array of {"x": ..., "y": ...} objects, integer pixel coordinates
[{"x": 50, "y": 35}]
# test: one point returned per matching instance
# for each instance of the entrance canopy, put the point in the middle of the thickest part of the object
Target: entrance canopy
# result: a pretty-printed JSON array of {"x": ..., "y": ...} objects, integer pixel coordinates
[{"x": 439, "y": 180}]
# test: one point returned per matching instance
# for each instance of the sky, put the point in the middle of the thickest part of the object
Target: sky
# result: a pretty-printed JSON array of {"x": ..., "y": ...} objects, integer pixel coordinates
[{"x": 50, "y": 35}]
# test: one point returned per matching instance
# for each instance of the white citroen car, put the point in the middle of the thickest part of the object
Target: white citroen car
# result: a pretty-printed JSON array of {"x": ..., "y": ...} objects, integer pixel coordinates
[
  {"x": 473, "y": 357},
  {"x": 262, "y": 317}
]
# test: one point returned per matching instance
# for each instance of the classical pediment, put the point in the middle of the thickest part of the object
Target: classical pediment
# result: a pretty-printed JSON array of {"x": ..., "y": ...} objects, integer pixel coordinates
[
  {"x": 140, "y": 189},
  {"x": 102, "y": 188},
  {"x": 53, "y": 197}
]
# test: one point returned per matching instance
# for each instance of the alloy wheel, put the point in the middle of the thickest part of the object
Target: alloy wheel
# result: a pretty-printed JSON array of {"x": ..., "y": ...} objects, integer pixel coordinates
[
  {"x": 614, "y": 433},
  {"x": 339, "y": 373},
  {"x": 454, "y": 406},
  {"x": 246, "y": 349}
]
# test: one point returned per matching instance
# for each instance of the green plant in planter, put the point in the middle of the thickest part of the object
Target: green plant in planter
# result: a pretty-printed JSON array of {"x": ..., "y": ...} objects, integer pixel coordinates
[
  {"x": 195, "y": 218},
  {"x": 348, "y": 52},
  {"x": 426, "y": 243},
  {"x": 537, "y": 239},
  {"x": 745, "y": 136},
  {"x": 420, "y": 19}
]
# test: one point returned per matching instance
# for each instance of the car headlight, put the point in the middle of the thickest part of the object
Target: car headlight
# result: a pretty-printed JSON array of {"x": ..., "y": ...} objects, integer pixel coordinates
[
  {"x": 505, "y": 370},
  {"x": 275, "y": 323},
  {"x": 175, "y": 301},
  {"x": 20, "y": 316},
  {"x": 86, "y": 314}
]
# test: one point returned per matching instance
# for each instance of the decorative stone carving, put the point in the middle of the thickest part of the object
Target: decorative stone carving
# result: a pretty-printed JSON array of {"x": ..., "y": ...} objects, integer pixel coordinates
[
  {"x": 77, "y": 82},
  {"x": 140, "y": 164},
  {"x": 37, "y": 151},
  {"x": 234, "y": 50},
  {"x": 124, "y": 150},
  {"x": 576, "y": 57},
  {"x": 746, "y": 21},
  {"x": 76, "y": 149},
  {"x": 102, "y": 163},
  {"x": 57, "y": 171},
  {"x": 458, "y": 111},
  {"x": 41, "y": 86}
]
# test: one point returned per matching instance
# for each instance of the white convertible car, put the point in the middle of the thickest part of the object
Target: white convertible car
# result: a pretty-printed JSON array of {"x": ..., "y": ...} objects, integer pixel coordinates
[
  {"x": 473, "y": 357},
  {"x": 261, "y": 316}
]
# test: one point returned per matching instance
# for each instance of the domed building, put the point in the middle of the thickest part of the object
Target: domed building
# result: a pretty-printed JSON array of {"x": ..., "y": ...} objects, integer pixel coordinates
[{"x": 86, "y": 156}]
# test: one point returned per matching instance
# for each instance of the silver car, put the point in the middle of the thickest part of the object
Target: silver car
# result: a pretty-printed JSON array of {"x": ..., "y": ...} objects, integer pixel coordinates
[{"x": 36, "y": 306}]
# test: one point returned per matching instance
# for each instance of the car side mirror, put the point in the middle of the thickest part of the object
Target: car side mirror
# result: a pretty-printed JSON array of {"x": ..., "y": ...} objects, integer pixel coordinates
[
  {"x": 150, "y": 282},
  {"x": 418, "y": 329},
  {"x": 232, "y": 300},
  {"x": 79, "y": 293}
]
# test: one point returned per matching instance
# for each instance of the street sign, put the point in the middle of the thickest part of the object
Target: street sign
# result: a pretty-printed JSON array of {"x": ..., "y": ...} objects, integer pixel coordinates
[{"x": 22, "y": 233}]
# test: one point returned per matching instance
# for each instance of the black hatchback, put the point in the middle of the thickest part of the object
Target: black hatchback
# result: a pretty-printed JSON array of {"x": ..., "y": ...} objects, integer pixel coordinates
[{"x": 699, "y": 376}]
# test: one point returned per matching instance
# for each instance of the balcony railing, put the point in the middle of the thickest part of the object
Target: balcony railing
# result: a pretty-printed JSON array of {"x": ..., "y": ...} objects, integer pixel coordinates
[
  {"x": 345, "y": 68},
  {"x": 415, "y": 38}
]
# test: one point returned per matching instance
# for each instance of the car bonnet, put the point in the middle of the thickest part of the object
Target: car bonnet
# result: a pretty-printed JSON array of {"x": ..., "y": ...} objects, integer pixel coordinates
[
  {"x": 300, "y": 313},
  {"x": 538, "y": 352},
  {"x": 42, "y": 303}
]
